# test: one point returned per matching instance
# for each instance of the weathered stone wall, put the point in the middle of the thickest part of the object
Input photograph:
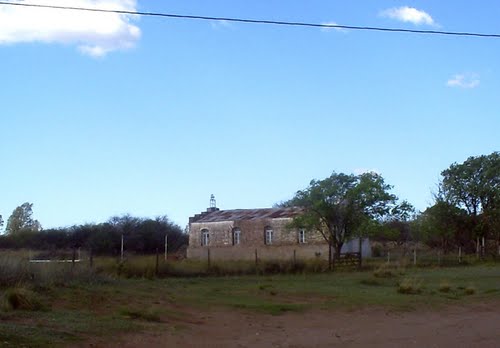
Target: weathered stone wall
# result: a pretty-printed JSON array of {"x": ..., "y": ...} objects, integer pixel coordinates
[
  {"x": 252, "y": 238},
  {"x": 220, "y": 233},
  {"x": 252, "y": 233},
  {"x": 305, "y": 251}
]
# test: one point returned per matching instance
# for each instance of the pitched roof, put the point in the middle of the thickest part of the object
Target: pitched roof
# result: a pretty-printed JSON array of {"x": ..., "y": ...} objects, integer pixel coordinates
[{"x": 248, "y": 214}]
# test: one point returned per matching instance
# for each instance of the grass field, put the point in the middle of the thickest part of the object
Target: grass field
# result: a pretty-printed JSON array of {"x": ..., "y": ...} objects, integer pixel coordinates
[{"x": 82, "y": 306}]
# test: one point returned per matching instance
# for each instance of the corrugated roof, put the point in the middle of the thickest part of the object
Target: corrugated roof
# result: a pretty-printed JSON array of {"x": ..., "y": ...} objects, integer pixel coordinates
[{"x": 248, "y": 214}]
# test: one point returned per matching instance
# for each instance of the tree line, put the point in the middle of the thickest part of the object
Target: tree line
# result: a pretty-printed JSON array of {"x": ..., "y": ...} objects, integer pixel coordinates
[
  {"x": 466, "y": 208},
  {"x": 466, "y": 211},
  {"x": 141, "y": 235}
]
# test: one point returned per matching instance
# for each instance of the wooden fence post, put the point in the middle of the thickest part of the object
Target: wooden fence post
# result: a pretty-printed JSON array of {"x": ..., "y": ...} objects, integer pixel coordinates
[
  {"x": 459, "y": 254},
  {"x": 415, "y": 256},
  {"x": 73, "y": 258},
  {"x": 91, "y": 258},
  {"x": 157, "y": 262},
  {"x": 121, "y": 250},
  {"x": 208, "y": 257},
  {"x": 294, "y": 257},
  {"x": 360, "y": 252}
]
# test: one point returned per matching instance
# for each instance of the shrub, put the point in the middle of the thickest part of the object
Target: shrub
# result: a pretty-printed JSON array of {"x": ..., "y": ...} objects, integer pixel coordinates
[
  {"x": 384, "y": 271},
  {"x": 444, "y": 286},
  {"x": 410, "y": 286},
  {"x": 470, "y": 290},
  {"x": 21, "y": 298}
]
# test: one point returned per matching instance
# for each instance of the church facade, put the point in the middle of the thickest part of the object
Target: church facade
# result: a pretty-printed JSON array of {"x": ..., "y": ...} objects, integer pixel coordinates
[{"x": 246, "y": 234}]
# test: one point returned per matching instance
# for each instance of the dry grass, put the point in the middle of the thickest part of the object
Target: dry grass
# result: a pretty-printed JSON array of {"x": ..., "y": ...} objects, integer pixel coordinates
[
  {"x": 20, "y": 298},
  {"x": 410, "y": 285},
  {"x": 444, "y": 286}
]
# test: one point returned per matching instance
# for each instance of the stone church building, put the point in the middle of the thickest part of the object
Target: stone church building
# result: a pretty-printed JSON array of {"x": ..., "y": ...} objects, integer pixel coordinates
[{"x": 240, "y": 234}]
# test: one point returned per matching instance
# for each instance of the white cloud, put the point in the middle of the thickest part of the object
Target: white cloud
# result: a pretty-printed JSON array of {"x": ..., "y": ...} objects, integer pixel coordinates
[
  {"x": 464, "y": 81},
  {"x": 220, "y": 24},
  {"x": 332, "y": 27},
  {"x": 94, "y": 33},
  {"x": 408, "y": 14}
]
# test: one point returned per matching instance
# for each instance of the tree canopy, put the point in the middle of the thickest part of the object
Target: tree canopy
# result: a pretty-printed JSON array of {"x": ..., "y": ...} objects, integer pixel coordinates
[
  {"x": 468, "y": 202},
  {"x": 340, "y": 206},
  {"x": 473, "y": 185},
  {"x": 141, "y": 235},
  {"x": 21, "y": 220}
]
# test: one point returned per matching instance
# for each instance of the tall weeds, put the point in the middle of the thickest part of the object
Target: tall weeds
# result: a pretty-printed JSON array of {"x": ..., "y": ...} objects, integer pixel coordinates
[{"x": 12, "y": 271}]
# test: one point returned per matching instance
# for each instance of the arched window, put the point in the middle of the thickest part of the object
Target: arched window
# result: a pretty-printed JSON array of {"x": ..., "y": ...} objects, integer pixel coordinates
[
  {"x": 301, "y": 236},
  {"x": 205, "y": 237},
  {"x": 236, "y": 236},
  {"x": 268, "y": 235}
]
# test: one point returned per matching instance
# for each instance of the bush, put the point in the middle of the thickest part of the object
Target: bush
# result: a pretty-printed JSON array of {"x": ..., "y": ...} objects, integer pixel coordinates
[
  {"x": 21, "y": 298},
  {"x": 444, "y": 286},
  {"x": 470, "y": 290},
  {"x": 410, "y": 286},
  {"x": 384, "y": 271}
]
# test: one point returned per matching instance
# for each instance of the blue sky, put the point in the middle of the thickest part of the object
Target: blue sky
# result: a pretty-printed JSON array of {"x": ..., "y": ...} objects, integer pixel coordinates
[{"x": 104, "y": 115}]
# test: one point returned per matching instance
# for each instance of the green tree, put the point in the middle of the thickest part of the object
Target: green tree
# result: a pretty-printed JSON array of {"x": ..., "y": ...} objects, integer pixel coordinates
[
  {"x": 341, "y": 206},
  {"x": 22, "y": 220},
  {"x": 1, "y": 222},
  {"x": 444, "y": 226},
  {"x": 397, "y": 225},
  {"x": 475, "y": 187}
]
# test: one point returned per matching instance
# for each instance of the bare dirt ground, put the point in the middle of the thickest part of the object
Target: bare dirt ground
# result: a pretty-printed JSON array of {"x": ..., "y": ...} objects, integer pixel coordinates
[{"x": 459, "y": 326}]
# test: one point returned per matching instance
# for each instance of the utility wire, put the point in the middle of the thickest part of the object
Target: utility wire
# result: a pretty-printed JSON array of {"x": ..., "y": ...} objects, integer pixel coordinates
[{"x": 257, "y": 21}]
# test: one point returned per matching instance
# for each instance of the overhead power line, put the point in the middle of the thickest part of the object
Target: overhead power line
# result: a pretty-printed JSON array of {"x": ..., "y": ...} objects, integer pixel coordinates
[{"x": 257, "y": 21}]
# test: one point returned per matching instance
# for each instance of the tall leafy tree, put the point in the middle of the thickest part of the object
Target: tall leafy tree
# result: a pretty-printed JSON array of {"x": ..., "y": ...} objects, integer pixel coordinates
[
  {"x": 444, "y": 226},
  {"x": 475, "y": 187},
  {"x": 340, "y": 206},
  {"x": 21, "y": 220}
]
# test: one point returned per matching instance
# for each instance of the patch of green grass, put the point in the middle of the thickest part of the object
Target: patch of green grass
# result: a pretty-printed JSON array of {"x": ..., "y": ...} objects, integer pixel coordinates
[
  {"x": 57, "y": 328},
  {"x": 82, "y": 309},
  {"x": 370, "y": 282}
]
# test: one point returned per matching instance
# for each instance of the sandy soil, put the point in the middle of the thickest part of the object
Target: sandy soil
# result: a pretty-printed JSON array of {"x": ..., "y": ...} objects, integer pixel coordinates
[{"x": 468, "y": 326}]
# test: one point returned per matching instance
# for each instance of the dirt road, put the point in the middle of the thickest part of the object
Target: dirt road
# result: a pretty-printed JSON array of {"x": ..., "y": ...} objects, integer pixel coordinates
[{"x": 468, "y": 326}]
